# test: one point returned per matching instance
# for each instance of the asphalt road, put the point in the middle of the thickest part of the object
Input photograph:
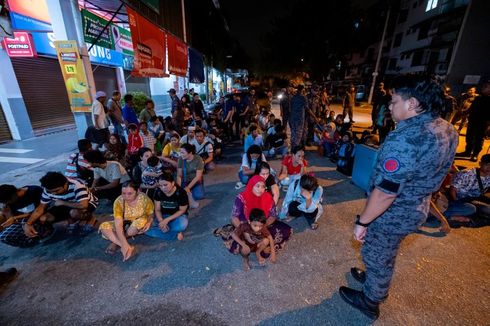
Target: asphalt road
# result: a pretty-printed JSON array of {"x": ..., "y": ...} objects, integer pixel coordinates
[{"x": 439, "y": 280}]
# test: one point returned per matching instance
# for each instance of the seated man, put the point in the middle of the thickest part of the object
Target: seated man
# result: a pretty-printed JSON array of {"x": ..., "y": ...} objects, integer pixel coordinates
[
  {"x": 62, "y": 199},
  {"x": 467, "y": 192},
  {"x": 204, "y": 148},
  {"x": 189, "y": 138},
  {"x": 78, "y": 167},
  {"x": 108, "y": 176},
  {"x": 254, "y": 138},
  {"x": 18, "y": 203}
]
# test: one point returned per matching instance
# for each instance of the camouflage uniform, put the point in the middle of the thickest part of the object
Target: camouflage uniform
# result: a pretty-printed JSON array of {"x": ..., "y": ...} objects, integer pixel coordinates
[
  {"x": 411, "y": 165},
  {"x": 299, "y": 104}
]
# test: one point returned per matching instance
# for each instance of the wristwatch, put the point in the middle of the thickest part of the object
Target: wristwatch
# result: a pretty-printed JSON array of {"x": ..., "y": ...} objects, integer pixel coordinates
[{"x": 358, "y": 222}]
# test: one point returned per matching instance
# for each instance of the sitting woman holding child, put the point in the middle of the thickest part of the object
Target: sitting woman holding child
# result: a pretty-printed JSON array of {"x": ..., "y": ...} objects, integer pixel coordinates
[
  {"x": 255, "y": 196},
  {"x": 190, "y": 174},
  {"x": 133, "y": 212},
  {"x": 250, "y": 160},
  {"x": 171, "y": 151},
  {"x": 304, "y": 198},
  {"x": 293, "y": 166},
  {"x": 171, "y": 204}
]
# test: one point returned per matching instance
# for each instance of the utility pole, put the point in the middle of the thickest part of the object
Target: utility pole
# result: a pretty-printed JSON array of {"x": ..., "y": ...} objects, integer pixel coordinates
[{"x": 375, "y": 73}]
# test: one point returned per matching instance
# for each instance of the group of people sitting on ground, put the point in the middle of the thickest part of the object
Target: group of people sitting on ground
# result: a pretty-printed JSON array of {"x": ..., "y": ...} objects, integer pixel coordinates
[{"x": 152, "y": 172}]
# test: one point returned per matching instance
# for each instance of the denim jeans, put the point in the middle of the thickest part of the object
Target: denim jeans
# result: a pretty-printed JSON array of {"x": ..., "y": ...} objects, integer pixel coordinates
[
  {"x": 459, "y": 208},
  {"x": 176, "y": 226},
  {"x": 242, "y": 177}
]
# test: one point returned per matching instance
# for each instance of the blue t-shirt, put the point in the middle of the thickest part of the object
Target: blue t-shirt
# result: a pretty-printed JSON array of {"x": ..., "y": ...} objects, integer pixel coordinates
[{"x": 129, "y": 114}]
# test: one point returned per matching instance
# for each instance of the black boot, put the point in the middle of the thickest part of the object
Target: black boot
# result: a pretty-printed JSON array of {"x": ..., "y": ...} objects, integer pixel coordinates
[
  {"x": 358, "y": 274},
  {"x": 358, "y": 300},
  {"x": 7, "y": 276}
]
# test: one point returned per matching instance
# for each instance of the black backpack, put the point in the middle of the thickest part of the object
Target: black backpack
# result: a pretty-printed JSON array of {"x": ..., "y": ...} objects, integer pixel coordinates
[{"x": 83, "y": 173}]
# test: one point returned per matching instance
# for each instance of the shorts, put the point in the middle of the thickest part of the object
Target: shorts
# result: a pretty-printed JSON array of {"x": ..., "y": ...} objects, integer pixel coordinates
[{"x": 138, "y": 224}]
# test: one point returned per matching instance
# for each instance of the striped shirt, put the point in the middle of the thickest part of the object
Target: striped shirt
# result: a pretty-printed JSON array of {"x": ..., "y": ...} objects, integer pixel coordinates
[
  {"x": 71, "y": 167},
  {"x": 148, "y": 141},
  {"x": 76, "y": 193}
]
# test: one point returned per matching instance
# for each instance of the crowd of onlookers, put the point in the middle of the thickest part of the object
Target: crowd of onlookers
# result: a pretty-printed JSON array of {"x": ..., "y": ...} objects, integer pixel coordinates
[{"x": 151, "y": 169}]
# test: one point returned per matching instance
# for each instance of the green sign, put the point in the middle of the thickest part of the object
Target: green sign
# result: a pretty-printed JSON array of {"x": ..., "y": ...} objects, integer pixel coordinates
[
  {"x": 92, "y": 28},
  {"x": 153, "y": 5},
  {"x": 122, "y": 40}
]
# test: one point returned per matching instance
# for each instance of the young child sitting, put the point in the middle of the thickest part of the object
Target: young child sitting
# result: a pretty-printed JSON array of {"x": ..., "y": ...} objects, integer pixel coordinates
[
  {"x": 150, "y": 175},
  {"x": 329, "y": 137},
  {"x": 254, "y": 237},
  {"x": 345, "y": 154}
]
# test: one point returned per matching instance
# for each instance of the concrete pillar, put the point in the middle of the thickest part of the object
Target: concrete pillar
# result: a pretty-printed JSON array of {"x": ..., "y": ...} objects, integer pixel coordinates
[
  {"x": 13, "y": 104},
  {"x": 67, "y": 25}
]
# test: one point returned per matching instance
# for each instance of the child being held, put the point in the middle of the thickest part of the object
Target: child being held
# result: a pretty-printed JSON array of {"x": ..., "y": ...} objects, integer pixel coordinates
[
  {"x": 254, "y": 237},
  {"x": 150, "y": 175},
  {"x": 329, "y": 137},
  {"x": 345, "y": 154}
]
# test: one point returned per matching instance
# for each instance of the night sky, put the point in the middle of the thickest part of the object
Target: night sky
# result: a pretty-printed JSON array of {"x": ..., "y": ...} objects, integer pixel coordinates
[{"x": 249, "y": 20}]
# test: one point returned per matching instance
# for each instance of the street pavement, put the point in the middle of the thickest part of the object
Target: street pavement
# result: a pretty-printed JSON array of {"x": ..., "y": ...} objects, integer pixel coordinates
[{"x": 440, "y": 280}]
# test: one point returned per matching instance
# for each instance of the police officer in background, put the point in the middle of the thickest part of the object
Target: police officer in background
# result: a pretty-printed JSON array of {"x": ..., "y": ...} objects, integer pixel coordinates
[{"x": 411, "y": 165}]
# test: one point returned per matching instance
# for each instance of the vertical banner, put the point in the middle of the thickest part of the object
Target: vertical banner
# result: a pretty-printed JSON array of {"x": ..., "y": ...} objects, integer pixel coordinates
[
  {"x": 74, "y": 75},
  {"x": 149, "y": 47},
  {"x": 196, "y": 67},
  {"x": 177, "y": 56}
]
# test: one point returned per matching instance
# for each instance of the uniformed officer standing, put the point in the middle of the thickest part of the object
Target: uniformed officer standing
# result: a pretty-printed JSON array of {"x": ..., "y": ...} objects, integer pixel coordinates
[{"x": 411, "y": 165}]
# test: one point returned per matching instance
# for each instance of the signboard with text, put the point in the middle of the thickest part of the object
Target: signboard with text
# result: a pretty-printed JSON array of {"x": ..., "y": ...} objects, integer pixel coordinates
[
  {"x": 30, "y": 15},
  {"x": 22, "y": 45},
  {"x": 149, "y": 46},
  {"x": 74, "y": 75},
  {"x": 177, "y": 56},
  {"x": 93, "y": 28}
]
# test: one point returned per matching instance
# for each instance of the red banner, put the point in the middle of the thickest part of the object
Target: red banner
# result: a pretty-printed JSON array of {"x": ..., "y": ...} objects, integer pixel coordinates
[
  {"x": 177, "y": 56},
  {"x": 21, "y": 45},
  {"x": 149, "y": 46}
]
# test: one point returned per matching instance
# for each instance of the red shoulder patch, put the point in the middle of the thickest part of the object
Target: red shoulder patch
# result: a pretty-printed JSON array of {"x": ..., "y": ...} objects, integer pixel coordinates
[{"x": 391, "y": 165}]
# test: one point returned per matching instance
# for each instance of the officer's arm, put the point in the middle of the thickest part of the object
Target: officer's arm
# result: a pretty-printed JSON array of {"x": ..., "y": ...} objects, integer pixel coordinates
[{"x": 377, "y": 203}]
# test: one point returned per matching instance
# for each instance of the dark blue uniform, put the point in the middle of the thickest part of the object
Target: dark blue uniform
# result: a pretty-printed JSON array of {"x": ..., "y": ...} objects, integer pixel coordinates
[{"x": 411, "y": 164}]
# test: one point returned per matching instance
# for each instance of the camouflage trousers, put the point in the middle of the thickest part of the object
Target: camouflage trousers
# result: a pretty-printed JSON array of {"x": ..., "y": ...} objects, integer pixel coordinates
[
  {"x": 378, "y": 254},
  {"x": 297, "y": 132}
]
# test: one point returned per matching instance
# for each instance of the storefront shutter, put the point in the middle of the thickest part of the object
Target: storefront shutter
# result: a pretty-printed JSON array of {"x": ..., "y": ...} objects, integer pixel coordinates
[
  {"x": 105, "y": 79},
  {"x": 43, "y": 89},
  {"x": 4, "y": 128}
]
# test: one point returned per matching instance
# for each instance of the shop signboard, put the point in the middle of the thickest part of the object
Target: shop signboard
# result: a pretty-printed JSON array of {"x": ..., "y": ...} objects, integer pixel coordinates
[
  {"x": 22, "y": 45},
  {"x": 95, "y": 30},
  {"x": 30, "y": 15},
  {"x": 177, "y": 56},
  {"x": 149, "y": 46},
  {"x": 122, "y": 40},
  {"x": 73, "y": 75}
]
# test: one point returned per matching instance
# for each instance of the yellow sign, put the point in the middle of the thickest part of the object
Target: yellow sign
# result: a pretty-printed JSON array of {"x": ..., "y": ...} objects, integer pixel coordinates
[{"x": 74, "y": 76}]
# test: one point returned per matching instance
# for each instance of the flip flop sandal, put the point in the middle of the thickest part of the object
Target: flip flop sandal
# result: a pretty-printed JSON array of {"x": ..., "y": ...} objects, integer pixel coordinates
[{"x": 314, "y": 226}]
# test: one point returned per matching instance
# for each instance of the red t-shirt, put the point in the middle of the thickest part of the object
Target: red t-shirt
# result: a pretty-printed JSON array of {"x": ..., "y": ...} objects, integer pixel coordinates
[
  {"x": 288, "y": 163},
  {"x": 135, "y": 142}
]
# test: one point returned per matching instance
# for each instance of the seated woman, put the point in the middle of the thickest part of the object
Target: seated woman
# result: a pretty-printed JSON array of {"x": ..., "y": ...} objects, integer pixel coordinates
[
  {"x": 293, "y": 166},
  {"x": 116, "y": 150},
  {"x": 190, "y": 174},
  {"x": 304, "y": 198},
  {"x": 264, "y": 170},
  {"x": 171, "y": 204},
  {"x": 108, "y": 176},
  {"x": 133, "y": 209},
  {"x": 171, "y": 152},
  {"x": 143, "y": 154},
  {"x": 250, "y": 160},
  {"x": 254, "y": 196}
]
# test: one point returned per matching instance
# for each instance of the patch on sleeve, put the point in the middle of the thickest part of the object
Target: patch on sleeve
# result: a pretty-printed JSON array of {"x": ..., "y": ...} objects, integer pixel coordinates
[{"x": 391, "y": 165}]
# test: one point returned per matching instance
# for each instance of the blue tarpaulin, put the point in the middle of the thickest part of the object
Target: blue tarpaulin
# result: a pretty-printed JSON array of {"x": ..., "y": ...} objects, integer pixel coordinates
[{"x": 196, "y": 67}]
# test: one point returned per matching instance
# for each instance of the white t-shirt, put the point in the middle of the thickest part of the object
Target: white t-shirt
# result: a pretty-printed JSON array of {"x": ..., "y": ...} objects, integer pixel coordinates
[
  {"x": 199, "y": 147},
  {"x": 253, "y": 164},
  {"x": 98, "y": 109},
  {"x": 114, "y": 170}
]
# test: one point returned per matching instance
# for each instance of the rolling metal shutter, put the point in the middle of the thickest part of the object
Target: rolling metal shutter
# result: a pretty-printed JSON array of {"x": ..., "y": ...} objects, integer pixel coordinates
[
  {"x": 44, "y": 93},
  {"x": 137, "y": 84},
  {"x": 4, "y": 128}
]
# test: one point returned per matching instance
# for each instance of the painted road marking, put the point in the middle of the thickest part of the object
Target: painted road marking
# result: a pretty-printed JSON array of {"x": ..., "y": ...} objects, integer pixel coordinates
[
  {"x": 15, "y": 150},
  {"x": 5, "y": 159}
]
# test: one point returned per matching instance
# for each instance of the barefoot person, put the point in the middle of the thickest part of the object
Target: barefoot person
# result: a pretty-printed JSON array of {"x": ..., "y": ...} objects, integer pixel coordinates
[
  {"x": 132, "y": 208},
  {"x": 254, "y": 237},
  {"x": 171, "y": 205}
]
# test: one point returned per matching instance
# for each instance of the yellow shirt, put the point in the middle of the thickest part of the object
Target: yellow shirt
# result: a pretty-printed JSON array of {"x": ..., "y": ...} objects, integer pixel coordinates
[
  {"x": 170, "y": 151},
  {"x": 143, "y": 208}
]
